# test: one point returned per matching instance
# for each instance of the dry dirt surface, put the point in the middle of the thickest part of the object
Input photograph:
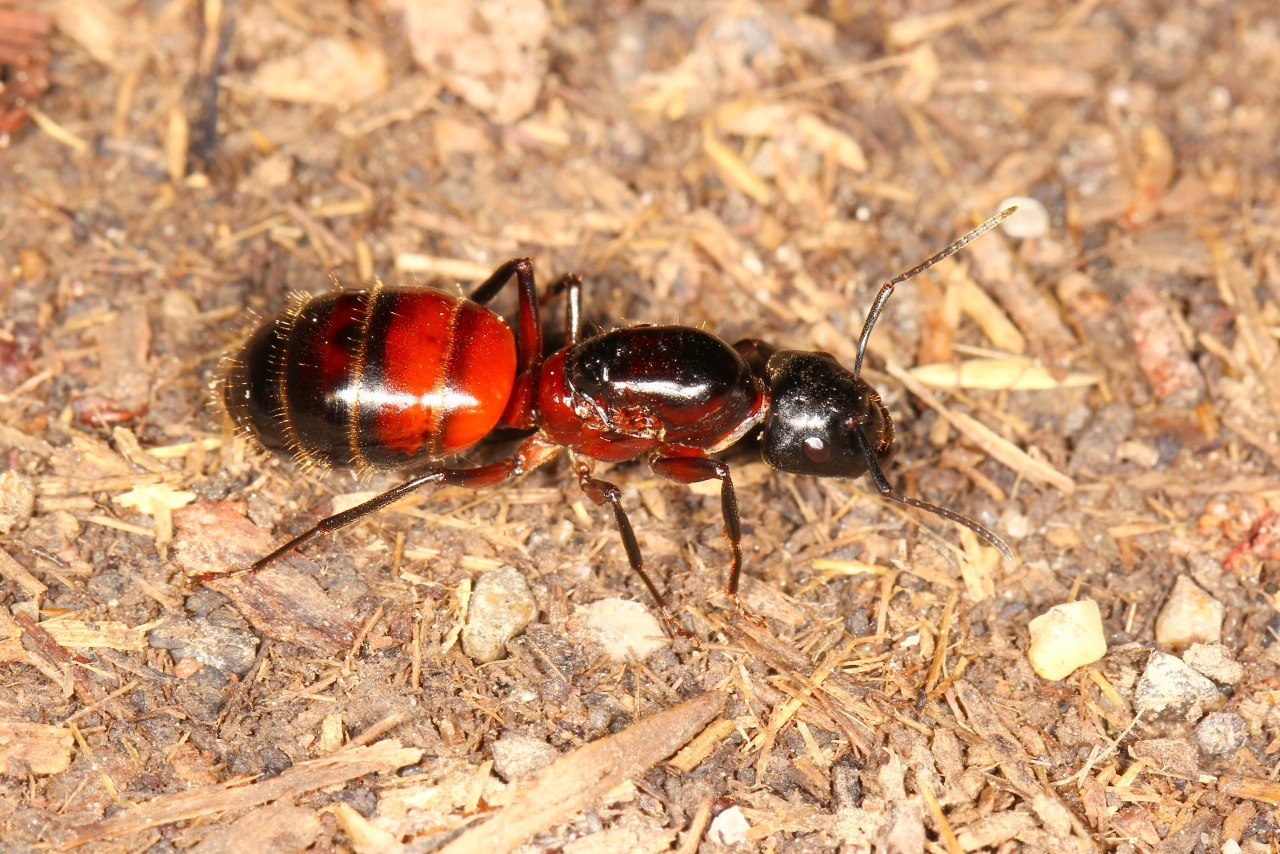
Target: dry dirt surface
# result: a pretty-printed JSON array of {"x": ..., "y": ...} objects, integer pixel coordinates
[{"x": 1098, "y": 382}]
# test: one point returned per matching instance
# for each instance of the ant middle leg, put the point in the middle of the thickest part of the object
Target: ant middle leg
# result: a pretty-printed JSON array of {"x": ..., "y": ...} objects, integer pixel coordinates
[
  {"x": 532, "y": 453},
  {"x": 694, "y": 469},
  {"x": 602, "y": 493}
]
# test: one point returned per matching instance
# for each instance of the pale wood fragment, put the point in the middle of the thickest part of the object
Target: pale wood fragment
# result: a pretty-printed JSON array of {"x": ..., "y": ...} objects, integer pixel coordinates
[
  {"x": 989, "y": 441},
  {"x": 383, "y": 757},
  {"x": 281, "y": 828},
  {"x": 575, "y": 781},
  {"x": 19, "y": 575},
  {"x": 31, "y": 748},
  {"x": 281, "y": 601}
]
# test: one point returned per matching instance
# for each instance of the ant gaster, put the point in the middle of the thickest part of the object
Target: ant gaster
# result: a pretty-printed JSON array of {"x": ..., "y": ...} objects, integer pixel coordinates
[{"x": 391, "y": 378}]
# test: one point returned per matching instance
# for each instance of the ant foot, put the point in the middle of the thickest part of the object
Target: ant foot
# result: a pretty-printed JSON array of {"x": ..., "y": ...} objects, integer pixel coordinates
[
  {"x": 206, "y": 577},
  {"x": 675, "y": 629},
  {"x": 745, "y": 613}
]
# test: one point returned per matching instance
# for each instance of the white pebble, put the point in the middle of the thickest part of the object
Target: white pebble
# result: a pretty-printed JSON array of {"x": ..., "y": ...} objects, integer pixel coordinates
[
  {"x": 1189, "y": 616},
  {"x": 501, "y": 607},
  {"x": 1066, "y": 637},
  {"x": 1031, "y": 220},
  {"x": 729, "y": 828},
  {"x": 625, "y": 629}
]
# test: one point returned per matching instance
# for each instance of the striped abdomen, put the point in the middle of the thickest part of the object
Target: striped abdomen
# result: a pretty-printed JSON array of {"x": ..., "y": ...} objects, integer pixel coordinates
[{"x": 379, "y": 378}]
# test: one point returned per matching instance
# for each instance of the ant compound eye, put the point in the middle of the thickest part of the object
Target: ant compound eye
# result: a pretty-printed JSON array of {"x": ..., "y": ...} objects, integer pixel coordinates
[{"x": 817, "y": 450}]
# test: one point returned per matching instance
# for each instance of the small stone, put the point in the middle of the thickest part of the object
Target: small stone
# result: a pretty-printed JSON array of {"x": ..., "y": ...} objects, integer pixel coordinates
[
  {"x": 17, "y": 501},
  {"x": 1215, "y": 661},
  {"x": 1168, "y": 755},
  {"x": 501, "y": 607},
  {"x": 228, "y": 649},
  {"x": 52, "y": 532},
  {"x": 1168, "y": 685},
  {"x": 1189, "y": 616},
  {"x": 1221, "y": 733},
  {"x": 729, "y": 828},
  {"x": 1066, "y": 637},
  {"x": 625, "y": 629},
  {"x": 1031, "y": 220},
  {"x": 518, "y": 757},
  {"x": 1138, "y": 453}
]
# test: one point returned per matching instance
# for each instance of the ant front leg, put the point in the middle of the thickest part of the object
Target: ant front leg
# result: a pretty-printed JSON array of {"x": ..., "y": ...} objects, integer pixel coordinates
[
  {"x": 519, "y": 412},
  {"x": 695, "y": 469},
  {"x": 601, "y": 492},
  {"x": 533, "y": 452}
]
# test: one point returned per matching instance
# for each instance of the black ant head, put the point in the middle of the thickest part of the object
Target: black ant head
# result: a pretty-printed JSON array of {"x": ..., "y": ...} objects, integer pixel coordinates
[
  {"x": 826, "y": 421},
  {"x": 815, "y": 403}
]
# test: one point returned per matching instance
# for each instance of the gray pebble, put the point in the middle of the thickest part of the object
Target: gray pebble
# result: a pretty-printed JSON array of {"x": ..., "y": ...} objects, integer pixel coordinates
[
  {"x": 227, "y": 649},
  {"x": 17, "y": 500},
  {"x": 1168, "y": 686},
  {"x": 1221, "y": 733},
  {"x": 1095, "y": 447},
  {"x": 501, "y": 607},
  {"x": 518, "y": 757}
]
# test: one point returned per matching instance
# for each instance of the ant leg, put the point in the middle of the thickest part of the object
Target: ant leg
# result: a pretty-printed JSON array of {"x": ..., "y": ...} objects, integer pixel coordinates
[
  {"x": 532, "y": 453},
  {"x": 885, "y": 489},
  {"x": 687, "y": 470},
  {"x": 601, "y": 492},
  {"x": 519, "y": 412},
  {"x": 572, "y": 283}
]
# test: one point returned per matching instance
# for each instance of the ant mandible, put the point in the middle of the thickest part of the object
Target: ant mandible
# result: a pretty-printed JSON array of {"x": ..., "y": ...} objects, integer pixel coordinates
[{"x": 391, "y": 378}]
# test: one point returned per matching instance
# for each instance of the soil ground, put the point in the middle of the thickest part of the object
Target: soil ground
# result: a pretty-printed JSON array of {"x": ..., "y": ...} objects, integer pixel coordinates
[{"x": 757, "y": 169}]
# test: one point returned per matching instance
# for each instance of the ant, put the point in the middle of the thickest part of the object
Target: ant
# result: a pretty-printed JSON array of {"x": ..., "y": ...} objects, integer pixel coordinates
[{"x": 391, "y": 378}]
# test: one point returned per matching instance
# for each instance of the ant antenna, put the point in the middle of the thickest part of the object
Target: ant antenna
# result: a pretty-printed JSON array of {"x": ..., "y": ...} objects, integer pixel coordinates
[
  {"x": 886, "y": 290},
  {"x": 886, "y": 490}
]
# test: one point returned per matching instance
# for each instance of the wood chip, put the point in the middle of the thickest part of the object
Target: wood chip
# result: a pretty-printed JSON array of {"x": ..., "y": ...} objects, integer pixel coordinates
[
  {"x": 101, "y": 634},
  {"x": 976, "y": 304},
  {"x": 453, "y": 269},
  {"x": 366, "y": 837},
  {"x": 1001, "y": 375},
  {"x": 281, "y": 828},
  {"x": 19, "y": 575},
  {"x": 575, "y": 781},
  {"x": 334, "y": 769},
  {"x": 734, "y": 172},
  {"x": 282, "y": 601},
  {"x": 695, "y": 752},
  {"x": 994, "y": 445},
  {"x": 1253, "y": 788},
  {"x": 31, "y": 748},
  {"x": 1038, "y": 319},
  {"x": 1161, "y": 352}
]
